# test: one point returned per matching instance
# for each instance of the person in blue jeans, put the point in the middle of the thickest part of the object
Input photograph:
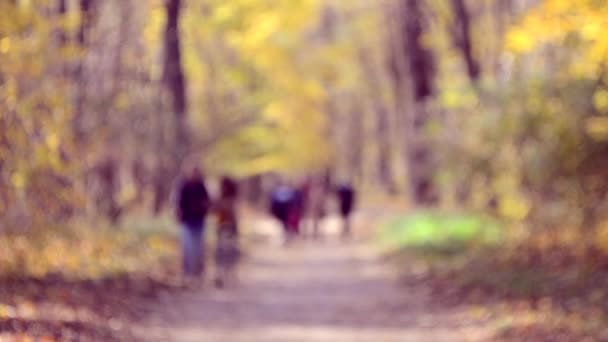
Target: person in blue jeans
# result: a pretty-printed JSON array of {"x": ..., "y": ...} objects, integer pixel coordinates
[{"x": 193, "y": 204}]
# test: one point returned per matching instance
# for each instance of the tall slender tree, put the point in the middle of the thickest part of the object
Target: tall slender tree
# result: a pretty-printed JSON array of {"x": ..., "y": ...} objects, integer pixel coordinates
[
  {"x": 174, "y": 88},
  {"x": 462, "y": 38},
  {"x": 414, "y": 79},
  {"x": 173, "y": 75}
]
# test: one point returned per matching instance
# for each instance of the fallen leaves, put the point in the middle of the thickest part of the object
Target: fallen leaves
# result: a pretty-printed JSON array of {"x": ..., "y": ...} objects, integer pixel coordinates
[
  {"x": 529, "y": 295},
  {"x": 81, "y": 283}
]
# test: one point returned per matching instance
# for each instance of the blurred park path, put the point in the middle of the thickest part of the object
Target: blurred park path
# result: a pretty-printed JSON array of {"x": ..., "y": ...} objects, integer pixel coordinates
[{"x": 327, "y": 290}]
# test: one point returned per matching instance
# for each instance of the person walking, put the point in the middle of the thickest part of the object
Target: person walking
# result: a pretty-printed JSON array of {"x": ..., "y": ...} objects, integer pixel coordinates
[
  {"x": 227, "y": 251},
  {"x": 283, "y": 201},
  {"x": 346, "y": 201},
  {"x": 193, "y": 204}
]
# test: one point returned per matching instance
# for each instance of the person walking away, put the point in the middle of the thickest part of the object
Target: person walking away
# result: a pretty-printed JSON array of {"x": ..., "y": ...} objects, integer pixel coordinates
[
  {"x": 282, "y": 201},
  {"x": 192, "y": 206},
  {"x": 227, "y": 250},
  {"x": 297, "y": 206},
  {"x": 346, "y": 201}
]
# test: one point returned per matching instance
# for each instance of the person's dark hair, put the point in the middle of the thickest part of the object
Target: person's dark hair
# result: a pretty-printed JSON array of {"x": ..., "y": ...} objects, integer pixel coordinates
[
  {"x": 229, "y": 187},
  {"x": 191, "y": 170}
]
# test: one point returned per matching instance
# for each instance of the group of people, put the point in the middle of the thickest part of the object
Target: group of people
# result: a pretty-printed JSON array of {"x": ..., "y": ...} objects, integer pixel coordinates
[
  {"x": 288, "y": 204},
  {"x": 193, "y": 205}
]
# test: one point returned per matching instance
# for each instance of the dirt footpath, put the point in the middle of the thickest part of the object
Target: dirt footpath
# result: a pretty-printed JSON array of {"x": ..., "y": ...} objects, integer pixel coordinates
[{"x": 310, "y": 291}]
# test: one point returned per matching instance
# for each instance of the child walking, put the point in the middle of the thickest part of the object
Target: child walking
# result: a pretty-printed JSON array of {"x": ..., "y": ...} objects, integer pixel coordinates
[{"x": 227, "y": 250}]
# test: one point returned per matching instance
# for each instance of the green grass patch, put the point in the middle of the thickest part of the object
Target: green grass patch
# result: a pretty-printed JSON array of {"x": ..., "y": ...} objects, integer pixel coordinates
[{"x": 441, "y": 231}]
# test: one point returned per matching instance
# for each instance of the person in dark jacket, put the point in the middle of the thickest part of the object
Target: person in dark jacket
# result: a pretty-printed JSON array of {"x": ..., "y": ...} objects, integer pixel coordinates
[
  {"x": 283, "y": 202},
  {"x": 193, "y": 204},
  {"x": 346, "y": 201}
]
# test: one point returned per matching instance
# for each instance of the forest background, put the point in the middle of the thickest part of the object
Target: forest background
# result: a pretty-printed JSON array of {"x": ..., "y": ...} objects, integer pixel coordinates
[{"x": 492, "y": 107}]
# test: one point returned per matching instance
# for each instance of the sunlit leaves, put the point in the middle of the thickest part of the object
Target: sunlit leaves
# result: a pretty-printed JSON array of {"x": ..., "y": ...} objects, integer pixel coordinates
[
  {"x": 597, "y": 128},
  {"x": 250, "y": 51},
  {"x": 577, "y": 30},
  {"x": 35, "y": 106},
  {"x": 581, "y": 25},
  {"x": 520, "y": 41}
]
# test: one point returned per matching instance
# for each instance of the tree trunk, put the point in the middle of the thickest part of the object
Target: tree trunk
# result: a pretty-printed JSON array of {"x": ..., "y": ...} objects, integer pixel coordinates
[
  {"x": 175, "y": 89},
  {"x": 420, "y": 61},
  {"x": 420, "y": 58},
  {"x": 382, "y": 130},
  {"x": 174, "y": 76},
  {"x": 86, "y": 21},
  {"x": 62, "y": 9},
  {"x": 356, "y": 138},
  {"x": 462, "y": 38},
  {"x": 87, "y": 15}
]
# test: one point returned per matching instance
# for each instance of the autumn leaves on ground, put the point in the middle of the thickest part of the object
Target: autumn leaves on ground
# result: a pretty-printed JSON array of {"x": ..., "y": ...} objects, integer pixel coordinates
[
  {"x": 85, "y": 283},
  {"x": 425, "y": 276}
]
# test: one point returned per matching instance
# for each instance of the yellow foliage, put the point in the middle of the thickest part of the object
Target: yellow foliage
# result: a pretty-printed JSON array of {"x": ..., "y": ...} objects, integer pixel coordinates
[
  {"x": 93, "y": 251},
  {"x": 5, "y": 45},
  {"x": 520, "y": 41},
  {"x": 18, "y": 180},
  {"x": 600, "y": 100},
  {"x": 262, "y": 39},
  {"x": 555, "y": 21},
  {"x": 597, "y": 127},
  {"x": 601, "y": 236},
  {"x": 514, "y": 206}
]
